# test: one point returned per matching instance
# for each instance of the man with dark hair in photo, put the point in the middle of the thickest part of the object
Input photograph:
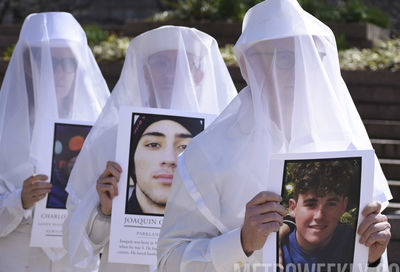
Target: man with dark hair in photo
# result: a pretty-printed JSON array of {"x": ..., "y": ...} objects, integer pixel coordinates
[
  {"x": 320, "y": 197},
  {"x": 155, "y": 145},
  {"x": 170, "y": 67}
]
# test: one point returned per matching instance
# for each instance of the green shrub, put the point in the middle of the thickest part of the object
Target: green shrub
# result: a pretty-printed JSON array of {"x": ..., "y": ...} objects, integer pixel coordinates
[
  {"x": 350, "y": 11},
  {"x": 95, "y": 34},
  {"x": 234, "y": 10},
  {"x": 378, "y": 17},
  {"x": 190, "y": 10},
  {"x": 210, "y": 10},
  {"x": 341, "y": 42},
  {"x": 8, "y": 52},
  {"x": 320, "y": 10}
]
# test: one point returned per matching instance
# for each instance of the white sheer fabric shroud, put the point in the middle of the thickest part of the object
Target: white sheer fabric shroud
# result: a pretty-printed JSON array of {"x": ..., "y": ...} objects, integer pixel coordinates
[
  {"x": 296, "y": 101},
  {"x": 168, "y": 67},
  {"x": 52, "y": 74}
]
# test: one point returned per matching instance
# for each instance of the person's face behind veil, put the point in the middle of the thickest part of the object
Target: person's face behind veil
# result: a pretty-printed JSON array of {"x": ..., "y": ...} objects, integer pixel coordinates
[
  {"x": 270, "y": 68},
  {"x": 160, "y": 75},
  {"x": 64, "y": 69}
]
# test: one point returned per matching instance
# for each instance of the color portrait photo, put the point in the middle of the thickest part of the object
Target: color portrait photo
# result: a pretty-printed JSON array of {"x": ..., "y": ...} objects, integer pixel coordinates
[
  {"x": 68, "y": 142},
  {"x": 322, "y": 198},
  {"x": 156, "y": 142}
]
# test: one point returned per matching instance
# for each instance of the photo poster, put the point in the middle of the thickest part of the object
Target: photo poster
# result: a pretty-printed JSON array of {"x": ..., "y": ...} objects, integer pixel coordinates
[
  {"x": 66, "y": 142},
  {"x": 324, "y": 194},
  {"x": 148, "y": 144}
]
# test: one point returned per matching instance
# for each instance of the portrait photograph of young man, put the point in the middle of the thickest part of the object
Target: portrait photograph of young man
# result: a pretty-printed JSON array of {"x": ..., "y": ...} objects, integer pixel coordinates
[
  {"x": 156, "y": 142},
  {"x": 322, "y": 202}
]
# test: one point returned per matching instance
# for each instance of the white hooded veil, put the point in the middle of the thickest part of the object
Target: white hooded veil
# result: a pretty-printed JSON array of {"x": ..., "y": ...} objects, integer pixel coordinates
[
  {"x": 296, "y": 101},
  {"x": 52, "y": 74},
  {"x": 168, "y": 67}
]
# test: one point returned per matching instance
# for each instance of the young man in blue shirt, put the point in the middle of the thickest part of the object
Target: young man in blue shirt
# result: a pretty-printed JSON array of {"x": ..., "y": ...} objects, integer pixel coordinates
[{"x": 320, "y": 197}]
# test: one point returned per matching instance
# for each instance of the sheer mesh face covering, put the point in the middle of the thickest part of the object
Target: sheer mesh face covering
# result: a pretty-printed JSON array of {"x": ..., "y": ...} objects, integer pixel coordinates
[
  {"x": 169, "y": 67},
  {"x": 52, "y": 74},
  {"x": 296, "y": 101}
]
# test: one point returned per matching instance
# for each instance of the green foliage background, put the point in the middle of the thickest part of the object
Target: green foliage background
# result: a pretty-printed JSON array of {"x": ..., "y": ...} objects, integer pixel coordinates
[
  {"x": 383, "y": 56},
  {"x": 349, "y": 11},
  {"x": 205, "y": 10}
]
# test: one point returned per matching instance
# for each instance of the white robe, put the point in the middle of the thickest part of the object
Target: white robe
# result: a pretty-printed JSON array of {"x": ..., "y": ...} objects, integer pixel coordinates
[
  {"x": 201, "y": 83},
  {"x": 190, "y": 243},
  {"x": 296, "y": 101},
  {"x": 30, "y": 96},
  {"x": 98, "y": 232},
  {"x": 15, "y": 233}
]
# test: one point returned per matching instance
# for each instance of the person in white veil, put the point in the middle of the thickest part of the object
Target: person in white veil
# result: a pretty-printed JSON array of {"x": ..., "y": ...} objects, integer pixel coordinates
[
  {"x": 52, "y": 74},
  {"x": 296, "y": 101},
  {"x": 169, "y": 67}
]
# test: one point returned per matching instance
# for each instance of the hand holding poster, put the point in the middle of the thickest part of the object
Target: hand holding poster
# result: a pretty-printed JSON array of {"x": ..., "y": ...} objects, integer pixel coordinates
[
  {"x": 50, "y": 212},
  {"x": 155, "y": 139},
  {"x": 323, "y": 194}
]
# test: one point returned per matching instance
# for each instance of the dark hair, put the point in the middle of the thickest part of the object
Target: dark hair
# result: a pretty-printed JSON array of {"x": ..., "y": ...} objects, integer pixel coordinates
[
  {"x": 321, "y": 177},
  {"x": 193, "y": 125}
]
